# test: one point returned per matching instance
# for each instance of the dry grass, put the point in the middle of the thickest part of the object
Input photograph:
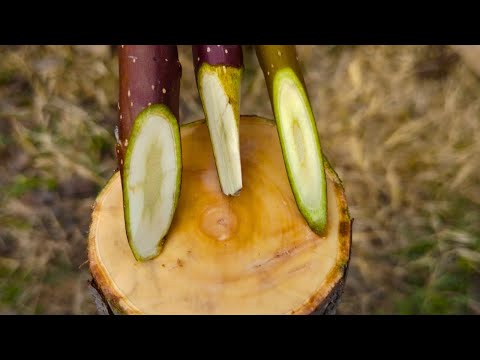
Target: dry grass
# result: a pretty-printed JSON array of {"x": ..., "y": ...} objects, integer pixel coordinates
[{"x": 399, "y": 123}]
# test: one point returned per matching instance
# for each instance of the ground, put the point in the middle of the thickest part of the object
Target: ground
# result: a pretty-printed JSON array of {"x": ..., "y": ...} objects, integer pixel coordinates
[{"x": 399, "y": 124}]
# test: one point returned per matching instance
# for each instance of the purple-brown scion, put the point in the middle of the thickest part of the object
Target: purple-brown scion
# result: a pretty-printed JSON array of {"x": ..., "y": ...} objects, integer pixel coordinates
[
  {"x": 218, "y": 72},
  {"x": 228, "y": 55},
  {"x": 149, "y": 74}
]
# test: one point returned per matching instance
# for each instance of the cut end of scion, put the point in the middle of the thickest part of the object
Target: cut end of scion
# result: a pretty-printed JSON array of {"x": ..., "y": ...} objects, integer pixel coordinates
[
  {"x": 147, "y": 148},
  {"x": 297, "y": 132},
  {"x": 301, "y": 148},
  {"x": 219, "y": 88},
  {"x": 151, "y": 179},
  {"x": 218, "y": 70}
]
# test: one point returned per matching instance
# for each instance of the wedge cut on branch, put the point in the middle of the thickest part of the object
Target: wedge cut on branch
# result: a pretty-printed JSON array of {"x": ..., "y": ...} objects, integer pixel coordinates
[
  {"x": 251, "y": 254},
  {"x": 148, "y": 144},
  {"x": 218, "y": 71},
  {"x": 297, "y": 131}
]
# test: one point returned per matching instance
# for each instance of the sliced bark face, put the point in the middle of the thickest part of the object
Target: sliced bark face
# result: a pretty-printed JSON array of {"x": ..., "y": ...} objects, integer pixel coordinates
[
  {"x": 219, "y": 89},
  {"x": 218, "y": 71},
  {"x": 297, "y": 131},
  {"x": 301, "y": 147},
  {"x": 151, "y": 179},
  {"x": 251, "y": 254}
]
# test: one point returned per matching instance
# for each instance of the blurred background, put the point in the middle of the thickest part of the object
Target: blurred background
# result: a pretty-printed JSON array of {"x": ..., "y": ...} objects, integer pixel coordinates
[{"x": 400, "y": 124}]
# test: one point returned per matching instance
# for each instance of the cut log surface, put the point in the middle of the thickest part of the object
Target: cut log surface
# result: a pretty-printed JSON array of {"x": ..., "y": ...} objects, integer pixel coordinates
[{"x": 251, "y": 254}]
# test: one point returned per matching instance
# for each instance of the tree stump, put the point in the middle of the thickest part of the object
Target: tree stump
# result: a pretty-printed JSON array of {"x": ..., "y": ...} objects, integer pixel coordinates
[{"x": 249, "y": 254}]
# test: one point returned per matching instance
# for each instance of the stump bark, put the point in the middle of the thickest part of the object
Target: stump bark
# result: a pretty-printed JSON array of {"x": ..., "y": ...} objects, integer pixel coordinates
[{"x": 249, "y": 254}]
